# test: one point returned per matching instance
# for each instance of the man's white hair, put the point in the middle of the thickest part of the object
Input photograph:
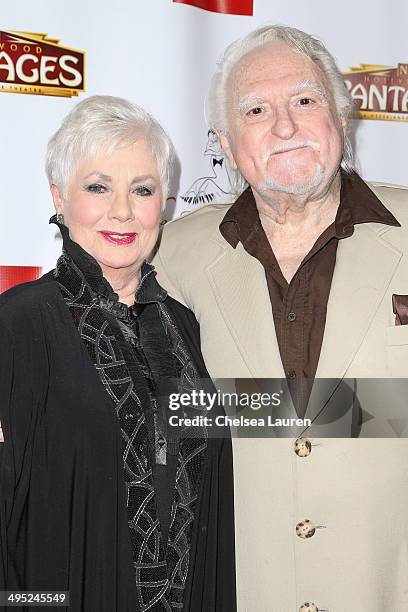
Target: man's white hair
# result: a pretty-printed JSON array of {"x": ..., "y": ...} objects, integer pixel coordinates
[
  {"x": 302, "y": 43},
  {"x": 98, "y": 126}
]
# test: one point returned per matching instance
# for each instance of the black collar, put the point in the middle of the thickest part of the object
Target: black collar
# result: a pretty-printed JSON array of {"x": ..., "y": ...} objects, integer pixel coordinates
[
  {"x": 147, "y": 292},
  {"x": 358, "y": 204}
]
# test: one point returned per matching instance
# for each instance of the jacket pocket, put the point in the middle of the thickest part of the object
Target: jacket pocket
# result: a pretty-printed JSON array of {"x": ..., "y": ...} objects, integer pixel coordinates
[
  {"x": 397, "y": 335},
  {"x": 397, "y": 351}
]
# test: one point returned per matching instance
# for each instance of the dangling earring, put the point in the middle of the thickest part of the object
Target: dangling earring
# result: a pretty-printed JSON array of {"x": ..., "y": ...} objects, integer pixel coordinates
[{"x": 60, "y": 218}]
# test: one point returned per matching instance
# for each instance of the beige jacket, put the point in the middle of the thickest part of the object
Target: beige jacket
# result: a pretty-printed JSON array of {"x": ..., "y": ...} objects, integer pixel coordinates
[{"x": 355, "y": 490}]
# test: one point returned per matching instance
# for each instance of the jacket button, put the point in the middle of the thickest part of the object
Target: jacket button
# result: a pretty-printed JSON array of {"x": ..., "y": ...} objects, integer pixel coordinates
[
  {"x": 308, "y": 606},
  {"x": 303, "y": 447},
  {"x": 291, "y": 316},
  {"x": 305, "y": 529}
]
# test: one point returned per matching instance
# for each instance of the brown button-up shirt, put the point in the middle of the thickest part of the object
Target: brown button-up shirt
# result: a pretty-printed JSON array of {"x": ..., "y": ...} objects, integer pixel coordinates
[{"x": 299, "y": 307}]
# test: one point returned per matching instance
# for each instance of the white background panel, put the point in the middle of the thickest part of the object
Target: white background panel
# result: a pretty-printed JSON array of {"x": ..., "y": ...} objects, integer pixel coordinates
[{"x": 161, "y": 55}]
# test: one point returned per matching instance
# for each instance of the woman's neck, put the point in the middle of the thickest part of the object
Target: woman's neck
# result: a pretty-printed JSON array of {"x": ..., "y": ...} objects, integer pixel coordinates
[{"x": 124, "y": 282}]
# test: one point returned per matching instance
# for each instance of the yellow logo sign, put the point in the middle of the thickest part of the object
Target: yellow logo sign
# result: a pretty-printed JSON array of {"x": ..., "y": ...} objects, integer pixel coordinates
[
  {"x": 379, "y": 92},
  {"x": 35, "y": 64}
]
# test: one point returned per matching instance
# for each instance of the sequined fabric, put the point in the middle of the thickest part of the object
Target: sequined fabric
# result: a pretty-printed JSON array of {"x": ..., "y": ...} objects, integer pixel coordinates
[{"x": 140, "y": 358}]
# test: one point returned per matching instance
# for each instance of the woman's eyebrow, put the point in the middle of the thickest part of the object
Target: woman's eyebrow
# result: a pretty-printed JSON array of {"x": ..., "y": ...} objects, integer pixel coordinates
[
  {"x": 104, "y": 177},
  {"x": 143, "y": 177},
  {"x": 99, "y": 175}
]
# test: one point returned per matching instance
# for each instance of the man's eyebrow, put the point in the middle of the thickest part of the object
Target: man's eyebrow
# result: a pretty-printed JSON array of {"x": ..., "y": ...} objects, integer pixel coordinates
[
  {"x": 247, "y": 102},
  {"x": 308, "y": 85}
]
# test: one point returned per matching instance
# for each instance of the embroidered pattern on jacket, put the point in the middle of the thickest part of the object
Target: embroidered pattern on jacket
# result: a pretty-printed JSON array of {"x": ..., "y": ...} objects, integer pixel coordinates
[{"x": 160, "y": 576}]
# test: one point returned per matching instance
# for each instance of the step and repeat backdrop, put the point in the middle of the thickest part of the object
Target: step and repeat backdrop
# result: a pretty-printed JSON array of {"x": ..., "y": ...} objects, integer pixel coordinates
[{"x": 161, "y": 54}]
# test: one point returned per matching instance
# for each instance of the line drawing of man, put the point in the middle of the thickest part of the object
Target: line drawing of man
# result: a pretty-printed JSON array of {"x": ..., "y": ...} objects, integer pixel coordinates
[
  {"x": 297, "y": 280},
  {"x": 214, "y": 188}
]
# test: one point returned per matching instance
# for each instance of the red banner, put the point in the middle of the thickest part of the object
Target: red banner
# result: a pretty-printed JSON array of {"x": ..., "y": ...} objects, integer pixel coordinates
[
  {"x": 14, "y": 275},
  {"x": 230, "y": 7}
]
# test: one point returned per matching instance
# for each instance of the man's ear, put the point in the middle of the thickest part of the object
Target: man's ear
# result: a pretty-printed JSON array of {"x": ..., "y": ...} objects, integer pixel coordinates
[
  {"x": 57, "y": 198},
  {"x": 223, "y": 138}
]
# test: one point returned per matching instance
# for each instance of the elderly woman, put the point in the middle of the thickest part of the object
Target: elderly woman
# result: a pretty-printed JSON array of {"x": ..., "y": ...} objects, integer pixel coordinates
[{"x": 99, "y": 495}]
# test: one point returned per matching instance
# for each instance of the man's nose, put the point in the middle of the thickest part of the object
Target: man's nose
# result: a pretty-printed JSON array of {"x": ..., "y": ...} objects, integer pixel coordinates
[
  {"x": 121, "y": 208},
  {"x": 284, "y": 126}
]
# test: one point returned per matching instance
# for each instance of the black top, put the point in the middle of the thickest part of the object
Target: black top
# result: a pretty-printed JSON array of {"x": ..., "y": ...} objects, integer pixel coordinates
[
  {"x": 143, "y": 334},
  {"x": 63, "y": 497}
]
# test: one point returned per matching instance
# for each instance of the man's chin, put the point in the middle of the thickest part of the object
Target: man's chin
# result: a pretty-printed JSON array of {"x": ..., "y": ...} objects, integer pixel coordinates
[{"x": 295, "y": 185}]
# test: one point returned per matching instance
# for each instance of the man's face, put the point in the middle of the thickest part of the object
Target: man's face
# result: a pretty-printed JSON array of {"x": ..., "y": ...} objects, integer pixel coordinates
[{"x": 283, "y": 132}]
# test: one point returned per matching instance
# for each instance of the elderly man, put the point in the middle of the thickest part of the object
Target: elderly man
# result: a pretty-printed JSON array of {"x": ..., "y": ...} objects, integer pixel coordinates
[{"x": 301, "y": 278}]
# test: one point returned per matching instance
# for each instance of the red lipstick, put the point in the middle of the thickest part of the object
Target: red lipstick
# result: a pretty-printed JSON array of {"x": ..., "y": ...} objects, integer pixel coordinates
[{"x": 119, "y": 238}]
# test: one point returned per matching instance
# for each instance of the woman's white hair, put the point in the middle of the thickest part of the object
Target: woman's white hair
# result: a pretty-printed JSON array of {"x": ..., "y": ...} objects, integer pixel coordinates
[
  {"x": 302, "y": 43},
  {"x": 98, "y": 126}
]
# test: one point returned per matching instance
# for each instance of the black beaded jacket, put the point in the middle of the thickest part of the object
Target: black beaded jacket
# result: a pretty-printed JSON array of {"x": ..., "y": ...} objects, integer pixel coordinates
[{"x": 98, "y": 496}]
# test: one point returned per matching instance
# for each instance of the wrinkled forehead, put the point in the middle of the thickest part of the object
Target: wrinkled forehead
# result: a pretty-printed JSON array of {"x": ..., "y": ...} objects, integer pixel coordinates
[{"x": 272, "y": 65}]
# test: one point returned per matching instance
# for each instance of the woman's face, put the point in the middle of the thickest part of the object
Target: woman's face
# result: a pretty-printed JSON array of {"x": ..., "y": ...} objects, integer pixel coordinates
[{"x": 113, "y": 207}]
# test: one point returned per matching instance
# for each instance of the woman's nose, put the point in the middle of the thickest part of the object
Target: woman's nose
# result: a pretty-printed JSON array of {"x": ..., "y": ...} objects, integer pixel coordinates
[{"x": 121, "y": 208}]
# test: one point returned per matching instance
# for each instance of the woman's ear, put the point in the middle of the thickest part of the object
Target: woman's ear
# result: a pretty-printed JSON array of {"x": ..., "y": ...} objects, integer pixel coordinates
[{"x": 57, "y": 199}]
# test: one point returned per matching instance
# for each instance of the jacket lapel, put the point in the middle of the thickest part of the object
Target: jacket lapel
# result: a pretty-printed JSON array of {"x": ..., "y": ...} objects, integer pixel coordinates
[
  {"x": 241, "y": 293},
  {"x": 240, "y": 289},
  {"x": 365, "y": 265}
]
